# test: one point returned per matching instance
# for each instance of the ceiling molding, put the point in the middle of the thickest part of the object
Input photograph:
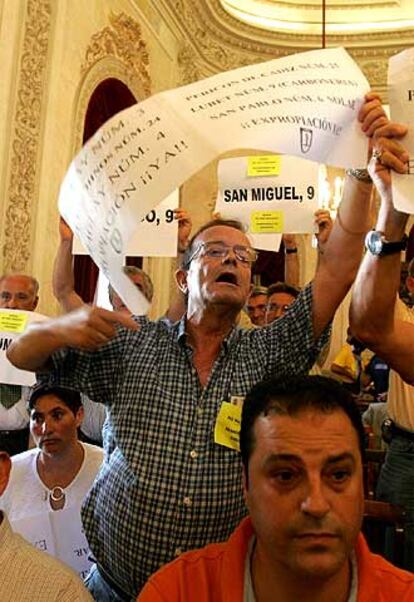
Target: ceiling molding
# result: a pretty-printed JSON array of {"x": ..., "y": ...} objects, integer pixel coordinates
[{"x": 213, "y": 41}]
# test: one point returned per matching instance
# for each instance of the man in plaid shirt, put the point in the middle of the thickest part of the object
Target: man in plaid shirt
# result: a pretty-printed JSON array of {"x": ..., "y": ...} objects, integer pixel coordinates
[{"x": 173, "y": 481}]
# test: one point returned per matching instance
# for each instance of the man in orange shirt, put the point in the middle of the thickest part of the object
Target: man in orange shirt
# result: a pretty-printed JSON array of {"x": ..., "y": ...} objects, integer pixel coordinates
[{"x": 301, "y": 444}]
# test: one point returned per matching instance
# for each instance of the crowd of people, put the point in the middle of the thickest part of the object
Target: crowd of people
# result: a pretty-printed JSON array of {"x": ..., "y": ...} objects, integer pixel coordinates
[{"x": 228, "y": 473}]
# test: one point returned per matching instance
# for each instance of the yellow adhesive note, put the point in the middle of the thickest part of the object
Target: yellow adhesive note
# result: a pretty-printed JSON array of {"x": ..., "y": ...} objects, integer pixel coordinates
[
  {"x": 227, "y": 429},
  {"x": 12, "y": 321},
  {"x": 263, "y": 165},
  {"x": 263, "y": 222}
]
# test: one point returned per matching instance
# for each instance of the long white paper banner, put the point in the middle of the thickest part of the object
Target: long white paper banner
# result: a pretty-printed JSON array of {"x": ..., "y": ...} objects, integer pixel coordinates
[
  {"x": 401, "y": 99},
  {"x": 155, "y": 234},
  {"x": 304, "y": 105}
]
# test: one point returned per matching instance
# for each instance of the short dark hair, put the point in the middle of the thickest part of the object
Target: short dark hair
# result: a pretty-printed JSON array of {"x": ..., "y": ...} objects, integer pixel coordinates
[
  {"x": 70, "y": 397},
  {"x": 282, "y": 287},
  {"x": 291, "y": 395},
  {"x": 230, "y": 223}
]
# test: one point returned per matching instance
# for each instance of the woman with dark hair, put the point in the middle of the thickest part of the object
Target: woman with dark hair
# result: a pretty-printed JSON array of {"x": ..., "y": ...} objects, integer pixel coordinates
[{"x": 49, "y": 483}]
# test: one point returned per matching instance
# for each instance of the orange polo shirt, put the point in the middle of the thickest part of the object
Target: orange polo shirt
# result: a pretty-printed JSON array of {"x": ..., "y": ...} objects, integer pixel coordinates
[{"x": 216, "y": 574}]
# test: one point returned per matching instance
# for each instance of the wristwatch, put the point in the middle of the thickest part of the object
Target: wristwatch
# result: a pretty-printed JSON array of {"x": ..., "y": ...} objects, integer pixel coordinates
[{"x": 377, "y": 244}]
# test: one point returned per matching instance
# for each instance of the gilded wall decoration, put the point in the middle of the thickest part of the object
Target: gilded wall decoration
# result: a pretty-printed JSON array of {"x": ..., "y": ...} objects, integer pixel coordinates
[
  {"x": 122, "y": 39},
  {"x": 25, "y": 138},
  {"x": 190, "y": 65},
  {"x": 117, "y": 51}
]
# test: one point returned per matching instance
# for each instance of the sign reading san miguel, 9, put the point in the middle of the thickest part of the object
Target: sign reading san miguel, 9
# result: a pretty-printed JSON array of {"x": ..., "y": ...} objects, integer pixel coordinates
[{"x": 271, "y": 193}]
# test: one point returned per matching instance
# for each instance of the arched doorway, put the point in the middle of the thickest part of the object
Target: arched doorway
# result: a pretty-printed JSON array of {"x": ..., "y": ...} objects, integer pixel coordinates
[{"x": 108, "y": 98}]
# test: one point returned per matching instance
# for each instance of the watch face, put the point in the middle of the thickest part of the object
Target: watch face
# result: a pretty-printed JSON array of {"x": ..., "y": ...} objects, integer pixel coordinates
[{"x": 374, "y": 242}]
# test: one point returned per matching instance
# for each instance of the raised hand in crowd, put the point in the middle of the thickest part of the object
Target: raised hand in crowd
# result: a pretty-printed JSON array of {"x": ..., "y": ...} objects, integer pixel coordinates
[
  {"x": 185, "y": 225},
  {"x": 63, "y": 277},
  {"x": 324, "y": 224}
]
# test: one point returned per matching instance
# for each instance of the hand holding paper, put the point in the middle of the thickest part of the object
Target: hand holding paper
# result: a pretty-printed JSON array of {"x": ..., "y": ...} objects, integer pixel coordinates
[
  {"x": 388, "y": 155},
  {"x": 65, "y": 231},
  {"x": 184, "y": 228}
]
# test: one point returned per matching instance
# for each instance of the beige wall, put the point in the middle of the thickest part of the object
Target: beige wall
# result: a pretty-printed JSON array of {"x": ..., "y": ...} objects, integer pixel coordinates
[{"x": 53, "y": 55}]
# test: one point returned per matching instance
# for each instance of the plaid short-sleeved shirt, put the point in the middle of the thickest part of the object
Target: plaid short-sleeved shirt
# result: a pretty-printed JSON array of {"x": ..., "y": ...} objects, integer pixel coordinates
[{"x": 167, "y": 487}]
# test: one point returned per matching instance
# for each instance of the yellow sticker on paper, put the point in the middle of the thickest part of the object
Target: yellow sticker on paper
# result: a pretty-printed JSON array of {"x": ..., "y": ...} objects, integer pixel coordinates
[
  {"x": 227, "y": 429},
  {"x": 265, "y": 222},
  {"x": 12, "y": 321},
  {"x": 263, "y": 165}
]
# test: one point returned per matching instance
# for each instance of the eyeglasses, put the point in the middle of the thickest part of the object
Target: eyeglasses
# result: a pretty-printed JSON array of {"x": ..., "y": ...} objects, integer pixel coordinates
[
  {"x": 277, "y": 307},
  {"x": 217, "y": 249}
]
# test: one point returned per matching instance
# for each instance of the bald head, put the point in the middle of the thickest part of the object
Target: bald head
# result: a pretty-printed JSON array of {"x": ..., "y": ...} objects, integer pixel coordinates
[{"x": 18, "y": 291}]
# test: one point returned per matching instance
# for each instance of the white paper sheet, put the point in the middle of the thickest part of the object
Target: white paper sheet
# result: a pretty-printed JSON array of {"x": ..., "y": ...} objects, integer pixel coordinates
[
  {"x": 304, "y": 105},
  {"x": 294, "y": 193},
  {"x": 156, "y": 233},
  {"x": 401, "y": 100},
  {"x": 60, "y": 534},
  {"x": 8, "y": 373}
]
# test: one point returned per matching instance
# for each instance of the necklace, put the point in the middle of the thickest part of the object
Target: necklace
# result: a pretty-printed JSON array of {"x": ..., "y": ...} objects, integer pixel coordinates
[{"x": 57, "y": 494}]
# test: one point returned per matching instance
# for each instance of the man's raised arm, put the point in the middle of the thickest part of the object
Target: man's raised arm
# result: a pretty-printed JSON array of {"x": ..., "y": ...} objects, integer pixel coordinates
[
  {"x": 63, "y": 277},
  {"x": 85, "y": 328},
  {"x": 339, "y": 262},
  {"x": 373, "y": 315}
]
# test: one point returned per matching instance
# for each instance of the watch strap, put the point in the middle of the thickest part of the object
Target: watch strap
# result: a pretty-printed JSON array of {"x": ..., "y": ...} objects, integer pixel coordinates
[{"x": 390, "y": 247}]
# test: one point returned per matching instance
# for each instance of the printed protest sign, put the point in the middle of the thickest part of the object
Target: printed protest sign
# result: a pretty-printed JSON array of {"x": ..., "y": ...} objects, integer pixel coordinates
[
  {"x": 156, "y": 234},
  {"x": 12, "y": 323},
  {"x": 401, "y": 100},
  {"x": 272, "y": 204},
  {"x": 304, "y": 105}
]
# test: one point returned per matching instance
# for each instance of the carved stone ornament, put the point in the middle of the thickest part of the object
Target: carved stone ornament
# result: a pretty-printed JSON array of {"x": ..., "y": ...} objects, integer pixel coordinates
[
  {"x": 215, "y": 41},
  {"x": 123, "y": 40},
  {"x": 190, "y": 69},
  {"x": 117, "y": 51},
  {"x": 25, "y": 138}
]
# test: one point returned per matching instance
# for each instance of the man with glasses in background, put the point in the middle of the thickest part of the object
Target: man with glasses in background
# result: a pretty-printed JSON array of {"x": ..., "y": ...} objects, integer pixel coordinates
[
  {"x": 279, "y": 296},
  {"x": 17, "y": 292},
  {"x": 173, "y": 394},
  {"x": 256, "y": 305}
]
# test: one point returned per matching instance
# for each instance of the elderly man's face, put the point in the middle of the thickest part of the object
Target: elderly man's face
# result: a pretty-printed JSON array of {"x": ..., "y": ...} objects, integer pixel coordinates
[
  {"x": 256, "y": 308},
  {"x": 53, "y": 425},
  {"x": 305, "y": 493},
  {"x": 219, "y": 280},
  {"x": 18, "y": 292}
]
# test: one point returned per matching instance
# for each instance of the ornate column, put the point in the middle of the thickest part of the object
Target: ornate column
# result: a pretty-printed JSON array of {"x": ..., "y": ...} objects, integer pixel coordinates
[{"x": 22, "y": 161}]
